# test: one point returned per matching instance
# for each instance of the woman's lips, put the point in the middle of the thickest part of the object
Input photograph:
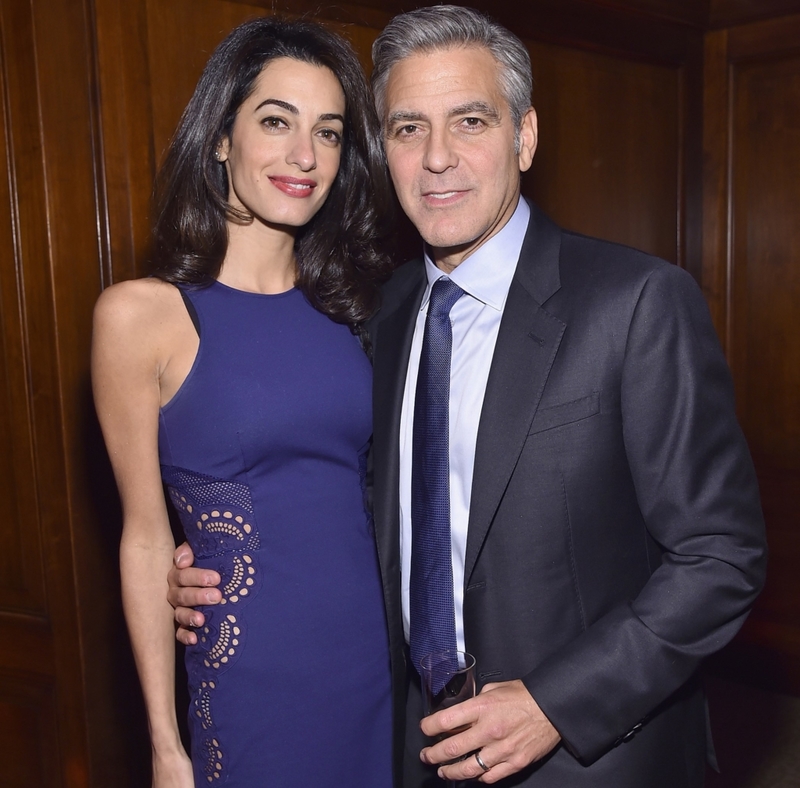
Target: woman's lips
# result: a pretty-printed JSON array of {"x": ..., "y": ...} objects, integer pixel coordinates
[{"x": 294, "y": 187}]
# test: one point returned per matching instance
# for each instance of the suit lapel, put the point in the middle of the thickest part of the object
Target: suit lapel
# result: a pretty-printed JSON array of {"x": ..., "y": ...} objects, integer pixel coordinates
[
  {"x": 526, "y": 347},
  {"x": 392, "y": 337}
]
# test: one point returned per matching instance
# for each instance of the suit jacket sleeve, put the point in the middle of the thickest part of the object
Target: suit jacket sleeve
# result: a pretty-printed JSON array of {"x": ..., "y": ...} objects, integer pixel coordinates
[{"x": 697, "y": 492}]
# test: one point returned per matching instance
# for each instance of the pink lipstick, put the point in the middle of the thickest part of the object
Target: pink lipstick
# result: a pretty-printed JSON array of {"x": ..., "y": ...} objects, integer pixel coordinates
[{"x": 294, "y": 187}]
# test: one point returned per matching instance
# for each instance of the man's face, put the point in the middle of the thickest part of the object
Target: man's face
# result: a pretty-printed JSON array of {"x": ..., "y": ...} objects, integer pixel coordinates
[{"x": 450, "y": 144}]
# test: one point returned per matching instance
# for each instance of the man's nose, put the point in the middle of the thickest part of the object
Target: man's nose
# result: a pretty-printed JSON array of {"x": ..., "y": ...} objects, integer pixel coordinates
[{"x": 439, "y": 152}]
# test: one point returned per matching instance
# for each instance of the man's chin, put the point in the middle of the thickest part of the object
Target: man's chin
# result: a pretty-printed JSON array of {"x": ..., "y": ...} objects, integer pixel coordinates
[{"x": 446, "y": 233}]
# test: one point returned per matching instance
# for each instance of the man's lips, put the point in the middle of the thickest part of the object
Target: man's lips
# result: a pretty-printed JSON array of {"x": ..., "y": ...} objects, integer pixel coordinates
[
  {"x": 294, "y": 187},
  {"x": 443, "y": 197}
]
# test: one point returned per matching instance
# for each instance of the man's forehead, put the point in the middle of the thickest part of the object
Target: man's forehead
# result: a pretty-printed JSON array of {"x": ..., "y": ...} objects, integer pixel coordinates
[{"x": 449, "y": 80}]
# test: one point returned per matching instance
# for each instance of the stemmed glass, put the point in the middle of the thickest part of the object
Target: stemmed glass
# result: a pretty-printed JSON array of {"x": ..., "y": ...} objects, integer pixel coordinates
[{"x": 448, "y": 677}]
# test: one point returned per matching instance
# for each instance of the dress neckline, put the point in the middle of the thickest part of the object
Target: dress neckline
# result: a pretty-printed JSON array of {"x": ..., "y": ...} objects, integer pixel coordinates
[{"x": 286, "y": 293}]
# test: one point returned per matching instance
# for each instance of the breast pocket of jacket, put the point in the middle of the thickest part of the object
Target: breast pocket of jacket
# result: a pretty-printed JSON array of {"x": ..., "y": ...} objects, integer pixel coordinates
[{"x": 552, "y": 416}]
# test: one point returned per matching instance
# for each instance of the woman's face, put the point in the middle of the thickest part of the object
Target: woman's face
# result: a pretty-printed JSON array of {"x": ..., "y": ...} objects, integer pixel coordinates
[{"x": 283, "y": 152}]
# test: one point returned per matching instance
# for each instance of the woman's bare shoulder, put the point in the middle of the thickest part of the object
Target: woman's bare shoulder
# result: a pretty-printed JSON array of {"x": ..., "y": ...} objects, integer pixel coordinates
[{"x": 137, "y": 304}]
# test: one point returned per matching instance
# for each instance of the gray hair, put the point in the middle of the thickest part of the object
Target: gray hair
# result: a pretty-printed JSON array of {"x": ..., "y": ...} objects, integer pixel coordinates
[{"x": 442, "y": 27}]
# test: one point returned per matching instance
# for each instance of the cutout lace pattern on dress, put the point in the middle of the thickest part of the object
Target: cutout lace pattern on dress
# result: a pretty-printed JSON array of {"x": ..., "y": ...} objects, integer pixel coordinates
[{"x": 218, "y": 520}]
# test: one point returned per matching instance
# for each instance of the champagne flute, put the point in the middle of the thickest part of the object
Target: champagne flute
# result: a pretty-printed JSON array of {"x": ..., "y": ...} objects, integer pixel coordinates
[{"x": 448, "y": 678}]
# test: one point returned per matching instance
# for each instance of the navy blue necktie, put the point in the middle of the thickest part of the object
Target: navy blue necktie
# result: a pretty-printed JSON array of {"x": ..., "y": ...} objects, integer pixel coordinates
[{"x": 432, "y": 611}]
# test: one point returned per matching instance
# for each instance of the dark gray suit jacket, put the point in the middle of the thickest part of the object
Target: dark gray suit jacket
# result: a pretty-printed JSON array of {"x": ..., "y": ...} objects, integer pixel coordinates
[{"x": 615, "y": 532}]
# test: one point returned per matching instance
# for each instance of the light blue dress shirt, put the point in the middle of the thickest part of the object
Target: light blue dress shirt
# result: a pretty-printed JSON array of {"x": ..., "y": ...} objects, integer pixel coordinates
[{"x": 485, "y": 276}]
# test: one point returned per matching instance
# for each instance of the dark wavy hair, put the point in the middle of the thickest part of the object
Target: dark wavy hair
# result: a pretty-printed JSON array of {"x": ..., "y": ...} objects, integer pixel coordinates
[{"x": 341, "y": 253}]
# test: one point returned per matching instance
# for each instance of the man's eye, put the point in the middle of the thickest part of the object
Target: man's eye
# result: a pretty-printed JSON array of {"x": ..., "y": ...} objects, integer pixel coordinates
[
  {"x": 409, "y": 128},
  {"x": 473, "y": 122}
]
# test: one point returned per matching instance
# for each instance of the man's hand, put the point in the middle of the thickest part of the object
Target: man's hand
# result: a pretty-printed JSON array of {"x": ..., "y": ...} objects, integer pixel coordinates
[
  {"x": 189, "y": 587},
  {"x": 505, "y": 724}
]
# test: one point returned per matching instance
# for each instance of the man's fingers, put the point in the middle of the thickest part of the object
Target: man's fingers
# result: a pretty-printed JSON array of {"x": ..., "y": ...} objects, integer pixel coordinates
[
  {"x": 450, "y": 720},
  {"x": 186, "y": 636},
  {"x": 189, "y": 618},
  {"x": 193, "y": 596},
  {"x": 497, "y": 773},
  {"x": 192, "y": 577},
  {"x": 449, "y": 749},
  {"x": 195, "y": 577},
  {"x": 507, "y": 727},
  {"x": 470, "y": 769},
  {"x": 183, "y": 556}
]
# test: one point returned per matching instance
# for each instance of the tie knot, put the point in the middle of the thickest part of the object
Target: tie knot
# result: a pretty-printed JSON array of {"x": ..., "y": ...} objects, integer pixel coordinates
[{"x": 444, "y": 293}]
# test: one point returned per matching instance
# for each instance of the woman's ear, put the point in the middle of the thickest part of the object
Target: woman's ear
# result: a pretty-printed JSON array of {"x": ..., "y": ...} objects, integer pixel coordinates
[{"x": 221, "y": 153}]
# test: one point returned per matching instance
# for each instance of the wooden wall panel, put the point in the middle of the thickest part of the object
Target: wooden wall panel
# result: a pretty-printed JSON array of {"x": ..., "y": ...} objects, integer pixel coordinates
[
  {"x": 688, "y": 11},
  {"x": 38, "y": 623},
  {"x": 21, "y": 579},
  {"x": 766, "y": 255},
  {"x": 93, "y": 665},
  {"x": 126, "y": 164},
  {"x": 609, "y": 155},
  {"x": 753, "y": 256},
  {"x": 66, "y": 632},
  {"x": 182, "y": 34},
  {"x": 765, "y": 294},
  {"x": 27, "y": 728}
]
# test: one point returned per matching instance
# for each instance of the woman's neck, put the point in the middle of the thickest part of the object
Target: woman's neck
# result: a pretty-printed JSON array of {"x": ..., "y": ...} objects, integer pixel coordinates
[{"x": 259, "y": 259}]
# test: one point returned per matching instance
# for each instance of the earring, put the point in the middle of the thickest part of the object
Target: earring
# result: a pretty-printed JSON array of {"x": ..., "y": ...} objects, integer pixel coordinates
[{"x": 216, "y": 155}]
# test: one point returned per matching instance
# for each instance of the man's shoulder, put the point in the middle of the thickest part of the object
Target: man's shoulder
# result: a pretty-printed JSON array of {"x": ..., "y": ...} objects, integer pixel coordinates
[
  {"x": 583, "y": 255},
  {"x": 585, "y": 246},
  {"x": 406, "y": 278},
  {"x": 599, "y": 277},
  {"x": 573, "y": 258}
]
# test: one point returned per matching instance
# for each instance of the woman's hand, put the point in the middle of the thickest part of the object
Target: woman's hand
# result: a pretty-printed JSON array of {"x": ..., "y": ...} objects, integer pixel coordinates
[{"x": 172, "y": 771}]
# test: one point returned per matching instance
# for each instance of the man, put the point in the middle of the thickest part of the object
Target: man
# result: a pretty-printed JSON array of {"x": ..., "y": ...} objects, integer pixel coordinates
[{"x": 602, "y": 516}]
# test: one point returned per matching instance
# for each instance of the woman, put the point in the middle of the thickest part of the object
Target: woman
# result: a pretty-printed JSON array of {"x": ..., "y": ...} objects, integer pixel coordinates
[{"x": 239, "y": 372}]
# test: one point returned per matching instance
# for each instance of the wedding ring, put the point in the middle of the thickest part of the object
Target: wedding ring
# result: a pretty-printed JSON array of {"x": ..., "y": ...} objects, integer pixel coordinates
[{"x": 481, "y": 763}]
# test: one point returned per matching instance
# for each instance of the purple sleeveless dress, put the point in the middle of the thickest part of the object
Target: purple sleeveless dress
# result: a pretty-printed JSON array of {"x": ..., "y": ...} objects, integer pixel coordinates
[{"x": 263, "y": 452}]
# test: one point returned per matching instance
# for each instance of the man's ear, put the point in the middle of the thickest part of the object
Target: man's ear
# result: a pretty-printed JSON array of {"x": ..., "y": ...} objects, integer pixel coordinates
[{"x": 528, "y": 138}]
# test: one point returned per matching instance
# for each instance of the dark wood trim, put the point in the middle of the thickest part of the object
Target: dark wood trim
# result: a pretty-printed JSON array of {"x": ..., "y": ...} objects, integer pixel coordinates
[
  {"x": 716, "y": 154},
  {"x": 729, "y": 13},
  {"x": 690, "y": 185},
  {"x": 127, "y": 153},
  {"x": 774, "y": 38}
]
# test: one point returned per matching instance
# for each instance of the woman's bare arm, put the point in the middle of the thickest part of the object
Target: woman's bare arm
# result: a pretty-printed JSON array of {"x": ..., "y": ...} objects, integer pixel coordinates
[{"x": 133, "y": 345}]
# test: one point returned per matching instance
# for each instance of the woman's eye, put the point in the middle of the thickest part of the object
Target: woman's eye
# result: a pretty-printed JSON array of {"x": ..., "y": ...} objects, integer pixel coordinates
[
  {"x": 330, "y": 134},
  {"x": 273, "y": 123}
]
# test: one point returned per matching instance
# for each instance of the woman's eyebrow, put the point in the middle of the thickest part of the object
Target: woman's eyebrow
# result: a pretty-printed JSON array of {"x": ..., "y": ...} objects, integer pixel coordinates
[{"x": 278, "y": 103}]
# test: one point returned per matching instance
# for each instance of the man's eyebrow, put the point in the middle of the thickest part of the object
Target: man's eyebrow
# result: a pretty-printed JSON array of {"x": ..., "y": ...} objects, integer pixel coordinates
[
  {"x": 481, "y": 108},
  {"x": 403, "y": 116},
  {"x": 476, "y": 108}
]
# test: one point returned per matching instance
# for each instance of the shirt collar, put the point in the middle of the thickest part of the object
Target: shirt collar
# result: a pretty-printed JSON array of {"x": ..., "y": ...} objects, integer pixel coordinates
[{"x": 487, "y": 273}]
